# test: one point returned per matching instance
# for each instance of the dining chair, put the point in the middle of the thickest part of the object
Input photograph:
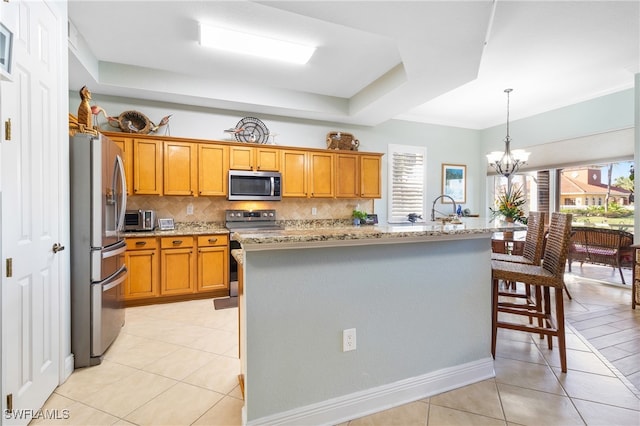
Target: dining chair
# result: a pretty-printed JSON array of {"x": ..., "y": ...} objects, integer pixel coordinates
[{"x": 544, "y": 278}]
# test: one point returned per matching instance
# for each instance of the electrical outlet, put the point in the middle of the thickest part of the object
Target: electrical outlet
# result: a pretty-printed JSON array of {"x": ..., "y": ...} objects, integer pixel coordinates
[
  {"x": 189, "y": 208},
  {"x": 349, "y": 340},
  {"x": 314, "y": 211}
]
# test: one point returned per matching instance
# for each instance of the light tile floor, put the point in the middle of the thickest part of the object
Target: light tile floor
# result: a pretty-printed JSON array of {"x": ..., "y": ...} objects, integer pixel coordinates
[{"x": 176, "y": 364}]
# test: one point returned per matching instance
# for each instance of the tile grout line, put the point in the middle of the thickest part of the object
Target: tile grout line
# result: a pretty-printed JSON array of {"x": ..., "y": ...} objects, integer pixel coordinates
[{"x": 605, "y": 361}]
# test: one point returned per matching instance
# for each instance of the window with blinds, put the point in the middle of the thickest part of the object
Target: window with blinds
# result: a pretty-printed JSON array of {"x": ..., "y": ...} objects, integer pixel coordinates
[{"x": 407, "y": 181}]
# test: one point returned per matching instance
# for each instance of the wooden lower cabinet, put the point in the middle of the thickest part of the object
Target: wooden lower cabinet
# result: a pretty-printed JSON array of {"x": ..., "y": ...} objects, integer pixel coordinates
[
  {"x": 166, "y": 269},
  {"x": 142, "y": 260},
  {"x": 177, "y": 265},
  {"x": 213, "y": 262}
]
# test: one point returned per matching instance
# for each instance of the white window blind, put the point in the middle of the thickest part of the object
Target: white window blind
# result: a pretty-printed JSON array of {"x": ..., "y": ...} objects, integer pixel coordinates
[{"x": 407, "y": 181}]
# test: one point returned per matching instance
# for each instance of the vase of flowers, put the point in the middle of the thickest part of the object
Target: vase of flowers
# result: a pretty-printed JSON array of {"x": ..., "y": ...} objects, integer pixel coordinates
[{"x": 509, "y": 205}]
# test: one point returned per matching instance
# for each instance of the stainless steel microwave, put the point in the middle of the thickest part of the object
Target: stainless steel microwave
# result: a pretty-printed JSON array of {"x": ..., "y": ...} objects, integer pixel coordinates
[
  {"x": 139, "y": 220},
  {"x": 247, "y": 186}
]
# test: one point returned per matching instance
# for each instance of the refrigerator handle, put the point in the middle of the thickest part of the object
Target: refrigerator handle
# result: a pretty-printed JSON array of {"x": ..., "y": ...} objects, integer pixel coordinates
[
  {"x": 123, "y": 197},
  {"x": 115, "y": 279}
]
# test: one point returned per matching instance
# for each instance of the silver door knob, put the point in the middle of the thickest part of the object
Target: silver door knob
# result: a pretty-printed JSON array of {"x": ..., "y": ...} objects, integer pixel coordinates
[{"x": 57, "y": 247}]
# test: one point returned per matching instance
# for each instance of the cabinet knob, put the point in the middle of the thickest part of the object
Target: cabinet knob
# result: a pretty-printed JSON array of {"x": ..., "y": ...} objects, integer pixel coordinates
[
  {"x": 177, "y": 242},
  {"x": 213, "y": 240},
  {"x": 141, "y": 243}
]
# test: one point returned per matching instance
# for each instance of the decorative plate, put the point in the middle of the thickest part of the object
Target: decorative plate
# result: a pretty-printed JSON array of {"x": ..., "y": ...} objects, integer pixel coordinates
[{"x": 251, "y": 129}]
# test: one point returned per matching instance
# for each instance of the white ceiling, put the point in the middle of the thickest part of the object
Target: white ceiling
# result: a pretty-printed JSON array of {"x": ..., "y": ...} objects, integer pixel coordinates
[{"x": 440, "y": 62}]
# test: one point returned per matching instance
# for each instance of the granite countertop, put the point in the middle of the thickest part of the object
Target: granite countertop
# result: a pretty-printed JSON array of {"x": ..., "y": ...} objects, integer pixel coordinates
[
  {"x": 183, "y": 228},
  {"x": 370, "y": 234}
]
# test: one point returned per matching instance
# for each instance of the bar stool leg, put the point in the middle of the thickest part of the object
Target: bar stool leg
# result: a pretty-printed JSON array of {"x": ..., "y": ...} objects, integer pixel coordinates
[
  {"x": 562, "y": 347},
  {"x": 494, "y": 314}
]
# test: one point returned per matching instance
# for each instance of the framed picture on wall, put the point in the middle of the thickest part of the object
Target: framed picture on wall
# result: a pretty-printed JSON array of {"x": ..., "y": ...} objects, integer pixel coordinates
[
  {"x": 454, "y": 183},
  {"x": 6, "y": 52}
]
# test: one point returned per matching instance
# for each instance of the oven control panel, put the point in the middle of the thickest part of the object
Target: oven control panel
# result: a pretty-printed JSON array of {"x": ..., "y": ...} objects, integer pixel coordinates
[{"x": 250, "y": 215}]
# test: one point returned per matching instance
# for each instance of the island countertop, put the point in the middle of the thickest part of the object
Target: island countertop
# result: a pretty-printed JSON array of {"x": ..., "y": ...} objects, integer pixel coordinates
[
  {"x": 368, "y": 234},
  {"x": 418, "y": 295}
]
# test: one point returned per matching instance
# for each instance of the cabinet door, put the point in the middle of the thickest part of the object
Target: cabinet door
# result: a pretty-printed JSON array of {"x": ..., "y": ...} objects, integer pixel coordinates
[
  {"x": 180, "y": 168},
  {"x": 241, "y": 158},
  {"x": 147, "y": 167},
  {"x": 142, "y": 278},
  {"x": 267, "y": 159},
  {"x": 178, "y": 267},
  {"x": 321, "y": 175},
  {"x": 213, "y": 268},
  {"x": 126, "y": 145},
  {"x": 370, "y": 180},
  {"x": 294, "y": 173},
  {"x": 213, "y": 168},
  {"x": 347, "y": 176},
  {"x": 213, "y": 262}
]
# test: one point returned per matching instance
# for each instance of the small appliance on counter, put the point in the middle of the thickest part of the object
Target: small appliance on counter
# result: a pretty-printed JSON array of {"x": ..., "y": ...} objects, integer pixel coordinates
[
  {"x": 139, "y": 220},
  {"x": 166, "y": 224}
]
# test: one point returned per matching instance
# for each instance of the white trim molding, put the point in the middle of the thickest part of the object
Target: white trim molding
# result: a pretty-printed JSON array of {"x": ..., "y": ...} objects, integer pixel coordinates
[{"x": 362, "y": 403}]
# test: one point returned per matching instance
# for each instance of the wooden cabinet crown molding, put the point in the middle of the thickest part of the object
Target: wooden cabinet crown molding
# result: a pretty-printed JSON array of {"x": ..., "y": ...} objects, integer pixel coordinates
[{"x": 229, "y": 143}]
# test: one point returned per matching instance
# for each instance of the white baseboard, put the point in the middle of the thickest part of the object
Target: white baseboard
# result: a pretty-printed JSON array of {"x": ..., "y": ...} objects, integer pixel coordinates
[
  {"x": 68, "y": 368},
  {"x": 383, "y": 397}
]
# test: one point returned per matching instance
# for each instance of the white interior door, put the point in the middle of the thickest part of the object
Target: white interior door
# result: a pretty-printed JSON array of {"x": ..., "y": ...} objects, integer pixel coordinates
[{"x": 30, "y": 212}]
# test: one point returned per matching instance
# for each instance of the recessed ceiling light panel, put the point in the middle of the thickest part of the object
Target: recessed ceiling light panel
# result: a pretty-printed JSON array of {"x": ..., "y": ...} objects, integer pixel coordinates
[{"x": 250, "y": 44}]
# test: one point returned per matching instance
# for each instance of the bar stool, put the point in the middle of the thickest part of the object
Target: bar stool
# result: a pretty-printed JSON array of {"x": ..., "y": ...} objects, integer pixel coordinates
[
  {"x": 531, "y": 254},
  {"x": 543, "y": 278},
  {"x": 533, "y": 244}
]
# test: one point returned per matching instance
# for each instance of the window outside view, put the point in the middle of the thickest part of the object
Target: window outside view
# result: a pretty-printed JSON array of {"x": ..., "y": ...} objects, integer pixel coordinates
[{"x": 599, "y": 195}]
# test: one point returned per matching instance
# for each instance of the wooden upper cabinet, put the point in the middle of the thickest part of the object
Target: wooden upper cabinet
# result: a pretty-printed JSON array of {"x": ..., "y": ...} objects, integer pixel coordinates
[
  {"x": 267, "y": 159},
  {"x": 321, "y": 174},
  {"x": 252, "y": 158},
  {"x": 294, "y": 173},
  {"x": 147, "y": 167},
  {"x": 126, "y": 145},
  {"x": 241, "y": 158},
  {"x": 370, "y": 176},
  {"x": 180, "y": 168},
  {"x": 213, "y": 167},
  {"x": 347, "y": 176}
]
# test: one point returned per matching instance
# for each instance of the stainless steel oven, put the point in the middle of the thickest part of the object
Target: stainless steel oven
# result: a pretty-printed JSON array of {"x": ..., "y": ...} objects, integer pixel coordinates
[{"x": 247, "y": 221}]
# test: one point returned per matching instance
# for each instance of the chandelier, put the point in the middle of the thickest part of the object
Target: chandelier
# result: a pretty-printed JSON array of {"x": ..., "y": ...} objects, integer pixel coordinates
[{"x": 508, "y": 162}]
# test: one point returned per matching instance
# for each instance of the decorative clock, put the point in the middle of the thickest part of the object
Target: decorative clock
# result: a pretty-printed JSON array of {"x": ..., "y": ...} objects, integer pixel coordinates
[{"x": 251, "y": 129}]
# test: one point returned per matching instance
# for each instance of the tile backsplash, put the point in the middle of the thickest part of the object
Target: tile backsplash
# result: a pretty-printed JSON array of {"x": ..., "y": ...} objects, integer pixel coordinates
[{"x": 212, "y": 209}]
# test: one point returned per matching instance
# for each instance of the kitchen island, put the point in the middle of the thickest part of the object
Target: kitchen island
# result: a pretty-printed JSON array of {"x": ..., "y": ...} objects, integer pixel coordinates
[{"x": 419, "y": 298}]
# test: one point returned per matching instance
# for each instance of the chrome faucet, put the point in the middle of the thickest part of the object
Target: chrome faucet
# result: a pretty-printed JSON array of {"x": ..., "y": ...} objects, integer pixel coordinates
[{"x": 433, "y": 207}]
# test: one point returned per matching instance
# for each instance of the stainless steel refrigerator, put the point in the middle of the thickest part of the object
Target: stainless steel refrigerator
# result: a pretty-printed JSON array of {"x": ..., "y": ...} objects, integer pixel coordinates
[{"x": 98, "y": 203}]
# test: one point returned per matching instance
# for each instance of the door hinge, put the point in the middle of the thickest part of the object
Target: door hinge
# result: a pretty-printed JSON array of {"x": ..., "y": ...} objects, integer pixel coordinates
[
  {"x": 9, "y": 267},
  {"x": 7, "y": 130},
  {"x": 10, "y": 402}
]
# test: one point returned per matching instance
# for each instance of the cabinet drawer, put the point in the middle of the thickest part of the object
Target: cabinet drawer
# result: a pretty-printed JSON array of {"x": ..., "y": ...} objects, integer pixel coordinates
[
  {"x": 148, "y": 243},
  {"x": 213, "y": 240},
  {"x": 176, "y": 242}
]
